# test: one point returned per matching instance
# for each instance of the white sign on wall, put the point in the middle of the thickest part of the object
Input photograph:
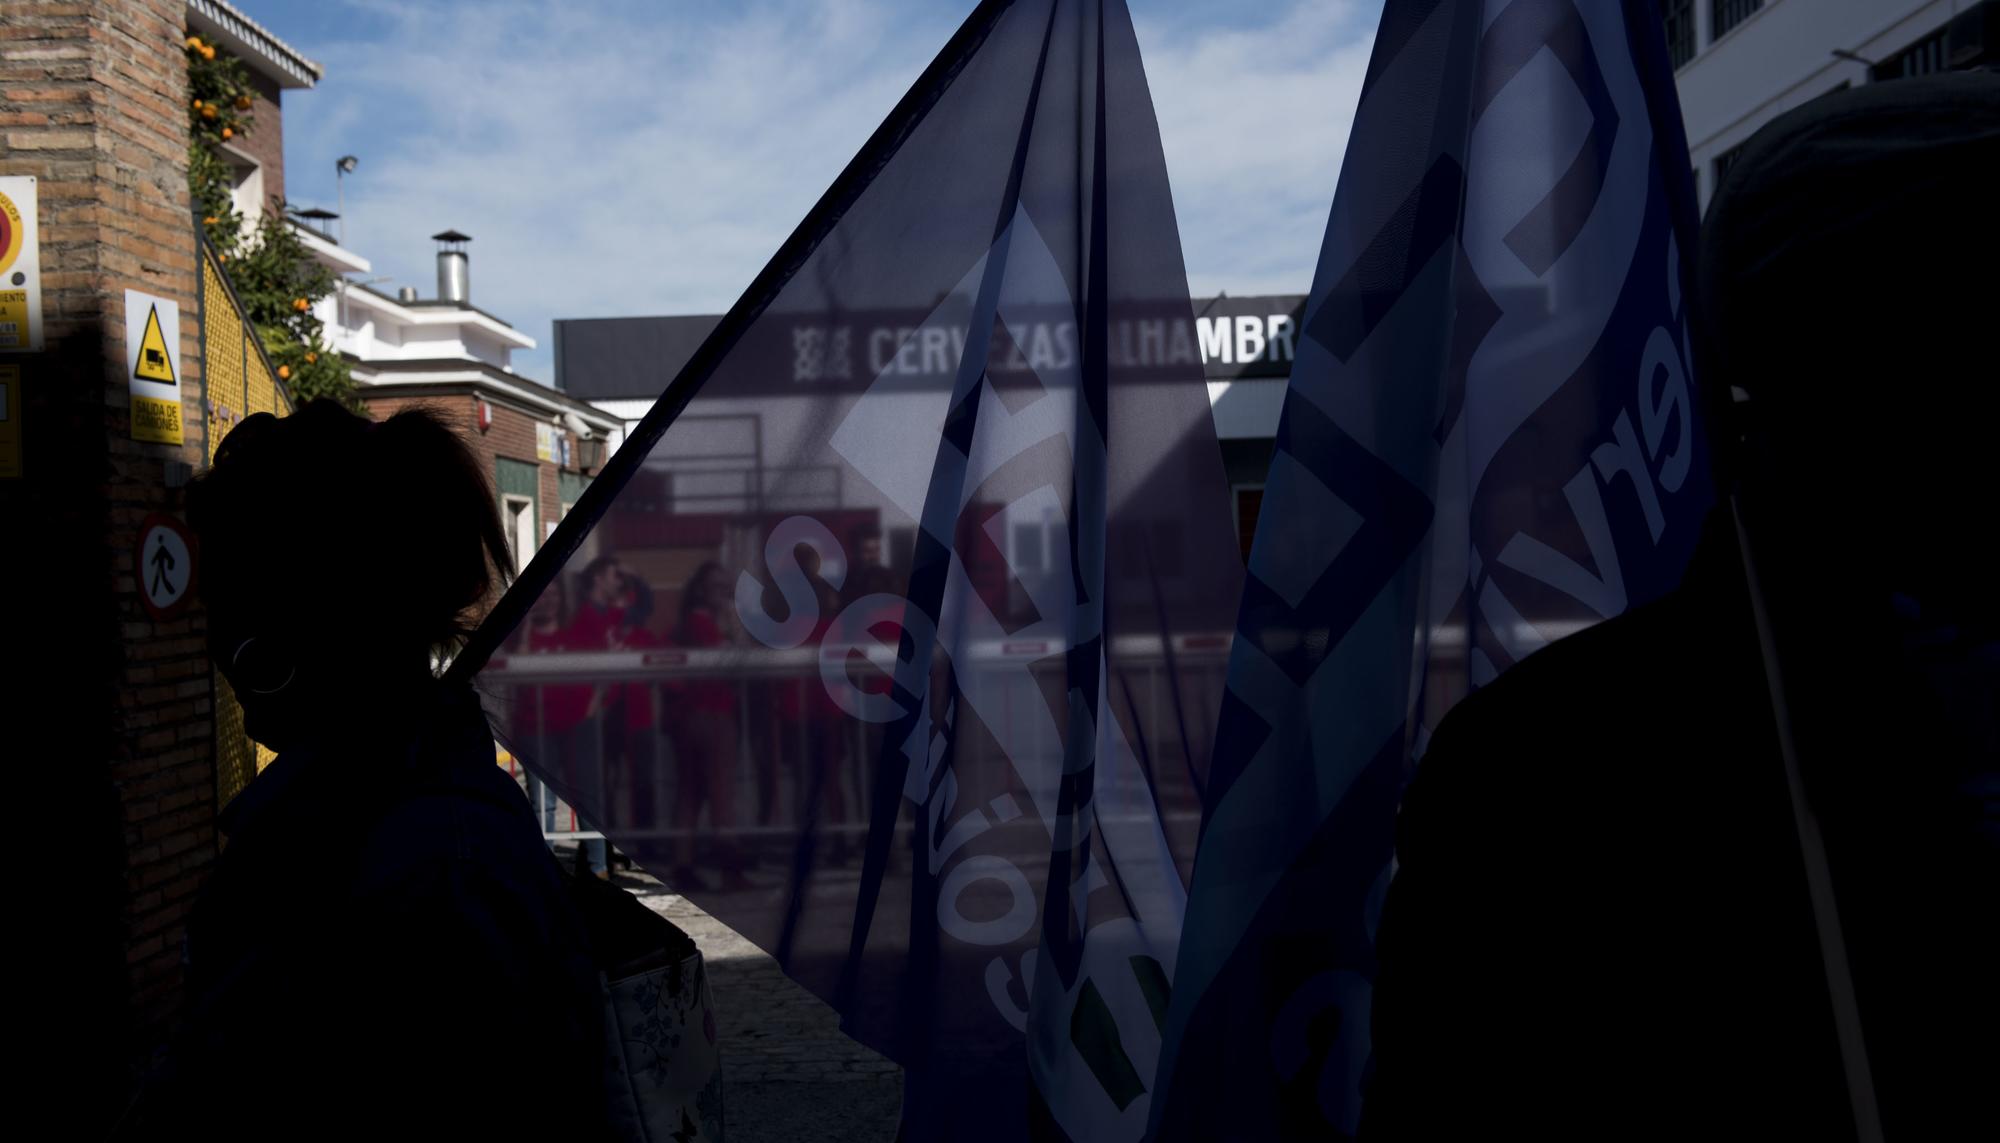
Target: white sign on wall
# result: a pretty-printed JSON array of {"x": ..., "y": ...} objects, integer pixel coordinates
[{"x": 153, "y": 363}]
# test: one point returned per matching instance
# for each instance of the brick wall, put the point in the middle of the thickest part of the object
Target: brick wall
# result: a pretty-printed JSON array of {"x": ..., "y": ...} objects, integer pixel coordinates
[
  {"x": 265, "y": 141},
  {"x": 91, "y": 103}
]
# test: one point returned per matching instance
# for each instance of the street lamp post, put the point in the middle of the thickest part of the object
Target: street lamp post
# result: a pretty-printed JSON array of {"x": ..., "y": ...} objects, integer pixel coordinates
[{"x": 342, "y": 167}]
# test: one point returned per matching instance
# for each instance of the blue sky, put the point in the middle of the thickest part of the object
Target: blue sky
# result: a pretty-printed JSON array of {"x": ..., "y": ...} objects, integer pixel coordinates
[{"x": 630, "y": 157}]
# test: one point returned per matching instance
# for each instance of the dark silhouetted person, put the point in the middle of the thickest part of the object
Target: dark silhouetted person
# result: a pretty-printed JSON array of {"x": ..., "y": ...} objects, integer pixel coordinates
[
  {"x": 1599, "y": 927},
  {"x": 385, "y": 946}
]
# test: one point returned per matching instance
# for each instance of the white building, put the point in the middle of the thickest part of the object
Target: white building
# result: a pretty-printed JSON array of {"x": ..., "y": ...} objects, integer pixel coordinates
[
  {"x": 1742, "y": 63},
  {"x": 407, "y": 346},
  {"x": 543, "y": 445}
]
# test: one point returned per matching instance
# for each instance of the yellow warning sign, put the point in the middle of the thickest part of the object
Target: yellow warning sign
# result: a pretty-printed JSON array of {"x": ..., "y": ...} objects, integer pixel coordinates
[
  {"x": 156, "y": 420},
  {"x": 153, "y": 363},
  {"x": 15, "y": 319}
]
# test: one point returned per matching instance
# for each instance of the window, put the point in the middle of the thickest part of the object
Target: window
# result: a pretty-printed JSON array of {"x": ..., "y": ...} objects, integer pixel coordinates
[
  {"x": 1249, "y": 501},
  {"x": 1680, "y": 30},
  {"x": 246, "y": 188},
  {"x": 519, "y": 518},
  {"x": 569, "y": 490},
  {"x": 1726, "y": 14},
  {"x": 1722, "y": 164},
  {"x": 1921, "y": 58},
  {"x": 517, "y": 482}
]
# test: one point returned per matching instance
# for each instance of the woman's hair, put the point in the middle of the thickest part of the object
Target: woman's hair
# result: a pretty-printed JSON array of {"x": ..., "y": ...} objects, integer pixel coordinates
[
  {"x": 640, "y": 611},
  {"x": 588, "y": 577},
  {"x": 557, "y": 599},
  {"x": 692, "y": 592},
  {"x": 384, "y": 536}
]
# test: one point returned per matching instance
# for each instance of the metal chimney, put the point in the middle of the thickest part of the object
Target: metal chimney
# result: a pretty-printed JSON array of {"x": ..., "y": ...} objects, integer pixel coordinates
[
  {"x": 454, "y": 273},
  {"x": 406, "y": 294}
]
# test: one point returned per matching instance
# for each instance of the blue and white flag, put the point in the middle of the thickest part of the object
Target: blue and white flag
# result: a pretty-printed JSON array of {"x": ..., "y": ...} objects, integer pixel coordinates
[
  {"x": 895, "y": 634},
  {"x": 1489, "y": 440}
]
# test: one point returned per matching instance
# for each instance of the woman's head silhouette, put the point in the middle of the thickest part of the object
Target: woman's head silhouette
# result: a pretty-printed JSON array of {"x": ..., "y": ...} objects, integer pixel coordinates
[{"x": 343, "y": 559}]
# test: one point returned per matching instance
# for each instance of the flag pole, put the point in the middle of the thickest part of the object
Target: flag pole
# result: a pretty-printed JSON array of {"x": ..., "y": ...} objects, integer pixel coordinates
[{"x": 1819, "y": 876}]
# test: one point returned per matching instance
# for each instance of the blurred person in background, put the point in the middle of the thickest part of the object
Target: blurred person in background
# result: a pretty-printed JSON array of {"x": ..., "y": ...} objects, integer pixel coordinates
[
  {"x": 638, "y": 707},
  {"x": 705, "y": 735}
]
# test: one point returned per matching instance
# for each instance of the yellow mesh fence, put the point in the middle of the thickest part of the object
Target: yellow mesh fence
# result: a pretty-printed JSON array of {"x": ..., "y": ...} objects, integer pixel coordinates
[{"x": 238, "y": 383}]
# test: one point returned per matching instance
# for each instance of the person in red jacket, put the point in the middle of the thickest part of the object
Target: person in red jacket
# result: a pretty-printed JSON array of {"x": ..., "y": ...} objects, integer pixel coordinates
[
  {"x": 705, "y": 733},
  {"x": 579, "y": 729},
  {"x": 637, "y": 710},
  {"x": 809, "y": 729},
  {"x": 546, "y": 714}
]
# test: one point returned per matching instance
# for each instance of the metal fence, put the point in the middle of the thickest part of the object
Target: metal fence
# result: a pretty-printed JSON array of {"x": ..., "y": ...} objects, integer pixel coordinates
[{"x": 520, "y": 689}]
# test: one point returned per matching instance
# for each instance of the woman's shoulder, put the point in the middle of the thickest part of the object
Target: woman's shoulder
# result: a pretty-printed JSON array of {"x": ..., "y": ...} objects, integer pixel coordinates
[
  {"x": 450, "y": 801},
  {"x": 468, "y": 855}
]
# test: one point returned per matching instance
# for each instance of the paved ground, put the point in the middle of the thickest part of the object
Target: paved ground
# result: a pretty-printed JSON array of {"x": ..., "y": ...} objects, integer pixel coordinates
[{"x": 790, "y": 1074}]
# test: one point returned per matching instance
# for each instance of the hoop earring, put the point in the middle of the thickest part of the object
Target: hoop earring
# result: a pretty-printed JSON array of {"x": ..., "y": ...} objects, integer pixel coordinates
[{"x": 237, "y": 659}]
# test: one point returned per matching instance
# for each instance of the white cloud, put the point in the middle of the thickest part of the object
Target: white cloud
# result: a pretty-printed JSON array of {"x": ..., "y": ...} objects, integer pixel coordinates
[
  {"x": 1254, "y": 119},
  {"x": 650, "y": 159}
]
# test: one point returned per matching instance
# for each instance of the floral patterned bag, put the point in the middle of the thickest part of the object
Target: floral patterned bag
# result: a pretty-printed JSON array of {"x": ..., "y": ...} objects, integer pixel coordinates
[
  {"x": 660, "y": 1041},
  {"x": 663, "y": 1068}
]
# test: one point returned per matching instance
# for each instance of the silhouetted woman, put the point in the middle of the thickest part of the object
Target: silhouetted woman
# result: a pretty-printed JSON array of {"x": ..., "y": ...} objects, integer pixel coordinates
[{"x": 384, "y": 946}]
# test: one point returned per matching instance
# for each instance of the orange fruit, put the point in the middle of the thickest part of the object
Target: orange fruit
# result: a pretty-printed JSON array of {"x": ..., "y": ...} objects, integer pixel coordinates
[
  {"x": 208, "y": 111},
  {"x": 226, "y": 132},
  {"x": 207, "y": 52},
  {"x": 194, "y": 42},
  {"x": 301, "y": 305},
  {"x": 311, "y": 358},
  {"x": 197, "y": 105},
  {"x": 242, "y": 103},
  {"x": 209, "y": 221},
  {"x": 284, "y": 373}
]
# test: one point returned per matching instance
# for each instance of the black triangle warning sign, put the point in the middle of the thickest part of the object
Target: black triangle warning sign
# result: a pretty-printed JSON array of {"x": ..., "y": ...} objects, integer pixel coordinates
[{"x": 153, "y": 363}]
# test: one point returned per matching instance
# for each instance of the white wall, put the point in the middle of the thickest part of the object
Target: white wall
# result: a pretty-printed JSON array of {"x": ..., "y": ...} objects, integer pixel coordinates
[
  {"x": 379, "y": 330},
  {"x": 1782, "y": 56}
]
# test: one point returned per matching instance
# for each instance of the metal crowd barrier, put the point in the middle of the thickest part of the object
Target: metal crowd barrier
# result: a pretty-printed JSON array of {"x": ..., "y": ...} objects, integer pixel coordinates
[{"x": 519, "y": 678}]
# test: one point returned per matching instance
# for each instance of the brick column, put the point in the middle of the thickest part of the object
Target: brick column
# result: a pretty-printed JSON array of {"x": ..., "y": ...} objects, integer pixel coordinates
[{"x": 92, "y": 103}]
